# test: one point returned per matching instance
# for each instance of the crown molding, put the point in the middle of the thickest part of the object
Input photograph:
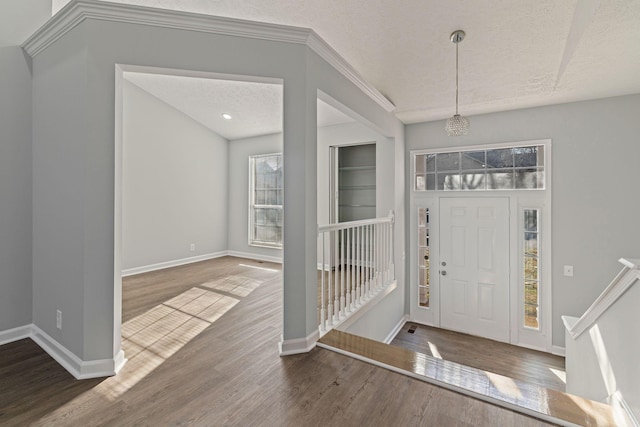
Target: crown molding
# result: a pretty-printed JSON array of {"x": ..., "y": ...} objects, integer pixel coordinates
[{"x": 76, "y": 11}]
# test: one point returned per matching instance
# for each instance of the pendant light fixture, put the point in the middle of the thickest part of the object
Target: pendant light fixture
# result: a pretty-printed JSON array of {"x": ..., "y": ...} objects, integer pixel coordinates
[{"x": 457, "y": 125}]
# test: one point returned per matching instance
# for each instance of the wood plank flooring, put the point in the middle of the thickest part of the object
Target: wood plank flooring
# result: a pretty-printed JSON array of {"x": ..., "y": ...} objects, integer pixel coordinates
[
  {"x": 535, "y": 367},
  {"x": 538, "y": 401},
  {"x": 224, "y": 371}
]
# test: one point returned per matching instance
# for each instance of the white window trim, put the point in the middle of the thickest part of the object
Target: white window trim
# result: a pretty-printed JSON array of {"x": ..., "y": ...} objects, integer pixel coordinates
[{"x": 251, "y": 205}]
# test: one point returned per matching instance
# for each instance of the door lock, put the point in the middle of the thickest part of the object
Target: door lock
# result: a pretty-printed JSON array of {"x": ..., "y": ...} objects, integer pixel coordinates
[
  {"x": 444, "y": 273},
  {"x": 443, "y": 263}
]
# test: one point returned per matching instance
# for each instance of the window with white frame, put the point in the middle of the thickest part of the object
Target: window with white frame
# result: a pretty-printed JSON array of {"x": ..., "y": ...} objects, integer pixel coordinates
[
  {"x": 266, "y": 194},
  {"x": 508, "y": 168}
]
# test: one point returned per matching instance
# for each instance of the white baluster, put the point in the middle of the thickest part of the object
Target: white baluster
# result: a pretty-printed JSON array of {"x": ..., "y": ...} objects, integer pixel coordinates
[{"x": 342, "y": 266}]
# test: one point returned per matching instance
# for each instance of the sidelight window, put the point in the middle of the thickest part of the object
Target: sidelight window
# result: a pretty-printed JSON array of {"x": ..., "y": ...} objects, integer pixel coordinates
[{"x": 531, "y": 268}]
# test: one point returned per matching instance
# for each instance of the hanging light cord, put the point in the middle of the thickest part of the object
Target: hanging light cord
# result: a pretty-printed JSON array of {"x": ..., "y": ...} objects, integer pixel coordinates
[{"x": 457, "y": 78}]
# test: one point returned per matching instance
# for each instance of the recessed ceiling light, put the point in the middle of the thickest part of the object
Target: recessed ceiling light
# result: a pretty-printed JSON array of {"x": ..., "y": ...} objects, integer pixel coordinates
[{"x": 226, "y": 116}]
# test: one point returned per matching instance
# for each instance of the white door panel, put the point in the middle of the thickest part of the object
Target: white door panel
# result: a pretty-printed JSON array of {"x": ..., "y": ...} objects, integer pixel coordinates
[{"x": 474, "y": 266}]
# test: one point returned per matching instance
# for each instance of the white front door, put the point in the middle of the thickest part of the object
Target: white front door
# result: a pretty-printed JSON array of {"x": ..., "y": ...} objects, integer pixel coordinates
[{"x": 474, "y": 266}]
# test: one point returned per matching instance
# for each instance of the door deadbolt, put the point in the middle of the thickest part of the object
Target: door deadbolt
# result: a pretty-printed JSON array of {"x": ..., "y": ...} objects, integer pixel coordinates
[{"x": 443, "y": 263}]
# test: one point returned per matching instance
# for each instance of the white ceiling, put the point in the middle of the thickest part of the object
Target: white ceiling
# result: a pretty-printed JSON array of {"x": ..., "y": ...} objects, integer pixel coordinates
[
  {"x": 255, "y": 108},
  {"x": 518, "y": 53}
]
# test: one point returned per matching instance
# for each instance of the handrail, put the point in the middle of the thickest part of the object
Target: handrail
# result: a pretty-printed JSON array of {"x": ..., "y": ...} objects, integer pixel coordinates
[
  {"x": 344, "y": 225},
  {"x": 629, "y": 274}
]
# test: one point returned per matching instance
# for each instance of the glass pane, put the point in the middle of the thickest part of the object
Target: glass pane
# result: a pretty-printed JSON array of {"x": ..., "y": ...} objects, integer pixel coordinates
[
  {"x": 529, "y": 178},
  {"x": 531, "y": 292},
  {"x": 448, "y": 181},
  {"x": 530, "y": 268},
  {"x": 448, "y": 161},
  {"x": 423, "y": 236},
  {"x": 425, "y": 163},
  {"x": 473, "y": 160},
  {"x": 473, "y": 180},
  {"x": 531, "y": 220},
  {"x": 431, "y": 162},
  {"x": 525, "y": 156},
  {"x": 540, "y": 155},
  {"x": 431, "y": 181},
  {"x": 502, "y": 158},
  {"x": 424, "y": 296},
  {"x": 421, "y": 163},
  {"x": 421, "y": 182},
  {"x": 423, "y": 217},
  {"x": 531, "y": 316},
  {"x": 531, "y": 244},
  {"x": 499, "y": 179},
  {"x": 423, "y": 254}
]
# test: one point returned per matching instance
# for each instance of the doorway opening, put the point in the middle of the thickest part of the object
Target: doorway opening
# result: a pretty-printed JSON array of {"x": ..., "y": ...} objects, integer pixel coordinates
[{"x": 184, "y": 215}]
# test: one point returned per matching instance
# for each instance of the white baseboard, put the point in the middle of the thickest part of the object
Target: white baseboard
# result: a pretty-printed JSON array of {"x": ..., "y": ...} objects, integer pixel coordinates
[
  {"x": 248, "y": 255},
  {"x": 77, "y": 367},
  {"x": 299, "y": 345},
  {"x": 558, "y": 351},
  {"x": 174, "y": 263},
  {"x": 15, "y": 334},
  {"x": 396, "y": 329}
]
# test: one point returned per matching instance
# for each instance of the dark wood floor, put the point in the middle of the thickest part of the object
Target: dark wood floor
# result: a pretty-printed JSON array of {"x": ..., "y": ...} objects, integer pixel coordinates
[
  {"x": 202, "y": 347},
  {"x": 536, "y": 367}
]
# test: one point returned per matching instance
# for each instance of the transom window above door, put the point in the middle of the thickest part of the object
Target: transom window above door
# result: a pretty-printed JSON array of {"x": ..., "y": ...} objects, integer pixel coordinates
[{"x": 504, "y": 168}]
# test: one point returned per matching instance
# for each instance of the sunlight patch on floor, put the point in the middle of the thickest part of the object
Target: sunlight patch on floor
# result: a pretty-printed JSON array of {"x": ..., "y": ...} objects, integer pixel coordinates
[
  {"x": 560, "y": 374},
  {"x": 434, "y": 350},
  {"x": 506, "y": 386},
  {"x": 151, "y": 338}
]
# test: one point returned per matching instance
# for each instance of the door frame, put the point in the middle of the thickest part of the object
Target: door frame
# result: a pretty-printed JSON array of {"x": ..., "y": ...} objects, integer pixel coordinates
[{"x": 519, "y": 200}]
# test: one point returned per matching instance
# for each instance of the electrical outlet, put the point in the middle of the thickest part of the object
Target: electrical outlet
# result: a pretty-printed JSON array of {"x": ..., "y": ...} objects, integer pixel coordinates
[
  {"x": 192, "y": 247},
  {"x": 568, "y": 270},
  {"x": 59, "y": 319}
]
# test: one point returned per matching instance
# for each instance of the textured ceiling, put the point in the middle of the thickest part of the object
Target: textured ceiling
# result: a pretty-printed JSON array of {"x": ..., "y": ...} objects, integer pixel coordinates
[
  {"x": 255, "y": 108},
  {"x": 518, "y": 53}
]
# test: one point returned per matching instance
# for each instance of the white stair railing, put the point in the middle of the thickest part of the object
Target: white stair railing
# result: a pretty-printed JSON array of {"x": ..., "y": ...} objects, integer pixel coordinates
[{"x": 356, "y": 263}]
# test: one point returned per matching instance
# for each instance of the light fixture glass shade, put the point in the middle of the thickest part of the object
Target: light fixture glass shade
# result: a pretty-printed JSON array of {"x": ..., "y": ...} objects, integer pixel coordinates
[{"x": 457, "y": 125}]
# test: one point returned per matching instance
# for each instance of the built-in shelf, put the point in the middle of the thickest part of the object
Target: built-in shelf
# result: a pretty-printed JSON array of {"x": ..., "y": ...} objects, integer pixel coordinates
[
  {"x": 356, "y": 168},
  {"x": 357, "y": 187}
]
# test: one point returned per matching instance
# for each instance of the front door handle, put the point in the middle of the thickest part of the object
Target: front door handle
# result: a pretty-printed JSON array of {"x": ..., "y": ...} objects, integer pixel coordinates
[{"x": 444, "y": 273}]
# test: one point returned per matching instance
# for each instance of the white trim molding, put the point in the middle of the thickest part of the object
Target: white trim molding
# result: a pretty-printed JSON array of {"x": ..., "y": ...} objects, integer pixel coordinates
[
  {"x": 257, "y": 257},
  {"x": 299, "y": 345},
  {"x": 622, "y": 412},
  {"x": 404, "y": 319},
  {"x": 629, "y": 275},
  {"x": 76, "y": 11},
  {"x": 558, "y": 350},
  {"x": 77, "y": 367},
  {"x": 15, "y": 334},
  {"x": 173, "y": 263}
]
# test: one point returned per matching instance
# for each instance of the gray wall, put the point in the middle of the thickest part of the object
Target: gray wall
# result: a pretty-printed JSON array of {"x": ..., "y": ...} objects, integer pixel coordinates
[
  {"x": 602, "y": 360},
  {"x": 15, "y": 188},
  {"x": 175, "y": 183},
  {"x": 595, "y": 154},
  {"x": 18, "y": 19},
  {"x": 75, "y": 261},
  {"x": 239, "y": 152}
]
